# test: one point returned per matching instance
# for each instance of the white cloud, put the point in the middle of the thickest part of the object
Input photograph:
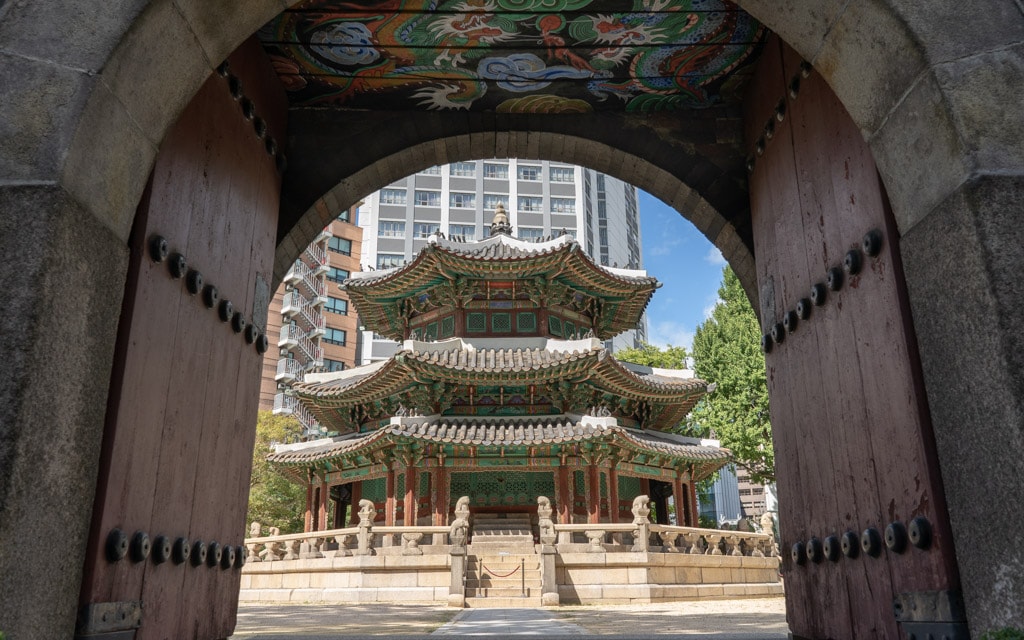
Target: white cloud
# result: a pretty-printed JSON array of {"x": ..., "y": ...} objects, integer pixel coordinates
[
  {"x": 668, "y": 332},
  {"x": 664, "y": 249},
  {"x": 715, "y": 257}
]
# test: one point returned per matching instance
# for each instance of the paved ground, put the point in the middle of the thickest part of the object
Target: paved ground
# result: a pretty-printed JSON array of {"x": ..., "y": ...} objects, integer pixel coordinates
[{"x": 750, "y": 619}]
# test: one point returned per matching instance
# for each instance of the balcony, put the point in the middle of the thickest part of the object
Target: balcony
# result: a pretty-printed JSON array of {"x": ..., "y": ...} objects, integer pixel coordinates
[
  {"x": 291, "y": 303},
  {"x": 286, "y": 405},
  {"x": 290, "y": 336},
  {"x": 324, "y": 234},
  {"x": 301, "y": 274},
  {"x": 288, "y": 370}
]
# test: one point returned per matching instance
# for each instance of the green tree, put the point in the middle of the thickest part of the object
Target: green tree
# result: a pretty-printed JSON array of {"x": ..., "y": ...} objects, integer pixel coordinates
[
  {"x": 726, "y": 352},
  {"x": 273, "y": 499},
  {"x": 651, "y": 356}
]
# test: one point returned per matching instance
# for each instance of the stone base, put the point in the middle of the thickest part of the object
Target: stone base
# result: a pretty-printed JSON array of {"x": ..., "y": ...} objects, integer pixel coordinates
[
  {"x": 549, "y": 599},
  {"x": 456, "y": 600}
]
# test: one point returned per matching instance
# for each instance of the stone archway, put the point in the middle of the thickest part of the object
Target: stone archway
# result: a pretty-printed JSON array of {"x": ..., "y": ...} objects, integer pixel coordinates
[{"x": 88, "y": 109}]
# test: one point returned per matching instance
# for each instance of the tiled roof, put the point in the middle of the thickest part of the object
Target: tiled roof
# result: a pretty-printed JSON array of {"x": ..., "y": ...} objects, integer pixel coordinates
[{"x": 504, "y": 432}]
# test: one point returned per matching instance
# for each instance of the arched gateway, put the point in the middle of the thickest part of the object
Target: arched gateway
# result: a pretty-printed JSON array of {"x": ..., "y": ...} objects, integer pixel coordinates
[{"x": 887, "y": 170}]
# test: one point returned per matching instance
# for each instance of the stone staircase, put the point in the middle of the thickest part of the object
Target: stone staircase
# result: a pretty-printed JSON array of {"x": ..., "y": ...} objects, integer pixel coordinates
[
  {"x": 503, "y": 580},
  {"x": 503, "y": 532}
]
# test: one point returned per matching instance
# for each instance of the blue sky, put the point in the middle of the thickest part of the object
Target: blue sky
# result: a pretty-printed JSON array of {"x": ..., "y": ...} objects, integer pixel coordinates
[{"x": 688, "y": 266}]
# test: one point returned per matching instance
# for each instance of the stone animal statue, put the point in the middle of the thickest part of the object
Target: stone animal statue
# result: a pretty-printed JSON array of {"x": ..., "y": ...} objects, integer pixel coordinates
[
  {"x": 367, "y": 512},
  {"x": 544, "y": 521},
  {"x": 640, "y": 509},
  {"x": 255, "y": 530},
  {"x": 458, "y": 532}
]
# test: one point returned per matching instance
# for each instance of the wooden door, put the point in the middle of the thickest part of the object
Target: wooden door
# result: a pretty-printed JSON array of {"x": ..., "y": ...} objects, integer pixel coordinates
[
  {"x": 181, "y": 417},
  {"x": 853, "y": 441}
]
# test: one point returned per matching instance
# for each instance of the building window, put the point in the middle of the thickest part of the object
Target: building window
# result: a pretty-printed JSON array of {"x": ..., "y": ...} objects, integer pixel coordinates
[
  {"x": 563, "y": 205},
  {"x": 392, "y": 196},
  {"x": 431, "y": 171},
  {"x": 530, "y": 233},
  {"x": 336, "y": 305},
  {"x": 492, "y": 200},
  {"x": 462, "y": 200},
  {"x": 390, "y": 229},
  {"x": 428, "y": 198},
  {"x": 333, "y": 365},
  {"x": 340, "y": 245},
  {"x": 337, "y": 275},
  {"x": 335, "y": 336},
  {"x": 467, "y": 231},
  {"x": 498, "y": 171},
  {"x": 462, "y": 169},
  {"x": 528, "y": 172},
  {"x": 425, "y": 229},
  {"x": 388, "y": 260},
  {"x": 562, "y": 174},
  {"x": 533, "y": 204}
]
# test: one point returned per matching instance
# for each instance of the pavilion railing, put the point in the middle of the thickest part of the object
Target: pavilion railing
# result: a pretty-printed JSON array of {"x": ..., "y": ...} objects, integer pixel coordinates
[
  {"x": 673, "y": 539},
  {"x": 350, "y": 541}
]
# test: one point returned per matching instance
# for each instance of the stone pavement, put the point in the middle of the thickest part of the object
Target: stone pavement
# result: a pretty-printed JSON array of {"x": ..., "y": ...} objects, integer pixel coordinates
[{"x": 747, "y": 619}]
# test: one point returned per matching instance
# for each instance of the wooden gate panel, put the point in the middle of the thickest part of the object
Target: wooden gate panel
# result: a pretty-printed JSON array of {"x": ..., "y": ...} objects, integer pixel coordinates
[
  {"x": 852, "y": 434},
  {"x": 178, "y": 446}
]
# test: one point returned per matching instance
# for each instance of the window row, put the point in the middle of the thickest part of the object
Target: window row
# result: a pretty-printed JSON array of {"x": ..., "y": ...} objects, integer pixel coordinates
[{"x": 463, "y": 200}]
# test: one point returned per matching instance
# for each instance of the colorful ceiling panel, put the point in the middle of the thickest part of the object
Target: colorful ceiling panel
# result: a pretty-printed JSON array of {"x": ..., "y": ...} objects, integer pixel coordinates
[{"x": 515, "y": 56}]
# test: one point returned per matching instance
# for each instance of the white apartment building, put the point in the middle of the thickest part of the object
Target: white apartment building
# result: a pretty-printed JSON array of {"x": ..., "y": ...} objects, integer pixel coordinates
[{"x": 542, "y": 199}]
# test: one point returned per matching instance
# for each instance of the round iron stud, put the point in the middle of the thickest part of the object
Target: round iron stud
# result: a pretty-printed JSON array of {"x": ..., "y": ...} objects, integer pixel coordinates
[
  {"x": 251, "y": 333},
  {"x": 158, "y": 248},
  {"x": 794, "y": 87},
  {"x": 210, "y": 296},
  {"x": 198, "y": 553},
  {"x": 270, "y": 145},
  {"x": 872, "y": 243},
  {"x": 750, "y": 164},
  {"x": 259, "y": 125},
  {"x": 262, "y": 344},
  {"x": 177, "y": 266},
  {"x": 780, "y": 111},
  {"x": 223, "y": 69},
  {"x": 767, "y": 343},
  {"x": 241, "y": 555},
  {"x": 852, "y": 262},
  {"x": 871, "y": 542},
  {"x": 238, "y": 322},
  {"x": 920, "y": 532},
  {"x": 194, "y": 282},
  {"x": 798, "y": 554},
  {"x": 769, "y": 129},
  {"x": 235, "y": 87},
  {"x": 835, "y": 278},
  {"x": 850, "y": 544},
  {"x": 117, "y": 545},
  {"x": 803, "y": 308},
  {"x": 181, "y": 551},
  {"x": 815, "y": 553},
  {"x": 831, "y": 548},
  {"x": 759, "y": 146},
  {"x": 805, "y": 69},
  {"x": 778, "y": 333},
  {"x": 248, "y": 108},
  {"x": 227, "y": 558},
  {"x": 818, "y": 294},
  {"x": 213, "y": 554},
  {"x": 790, "y": 320},
  {"x": 140, "y": 547},
  {"x": 896, "y": 537},
  {"x": 162, "y": 549},
  {"x": 225, "y": 310}
]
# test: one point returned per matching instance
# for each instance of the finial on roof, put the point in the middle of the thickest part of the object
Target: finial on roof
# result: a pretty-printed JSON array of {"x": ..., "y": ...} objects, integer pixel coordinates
[{"x": 500, "y": 222}]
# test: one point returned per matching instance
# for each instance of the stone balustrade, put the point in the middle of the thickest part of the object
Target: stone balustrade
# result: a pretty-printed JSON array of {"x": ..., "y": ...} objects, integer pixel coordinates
[
  {"x": 605, "y": 537},
  {"x": 350, "y": 541}
]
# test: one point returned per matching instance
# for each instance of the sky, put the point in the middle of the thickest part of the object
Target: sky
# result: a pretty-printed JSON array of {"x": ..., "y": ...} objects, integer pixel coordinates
[{"x": 689, "y": 268}]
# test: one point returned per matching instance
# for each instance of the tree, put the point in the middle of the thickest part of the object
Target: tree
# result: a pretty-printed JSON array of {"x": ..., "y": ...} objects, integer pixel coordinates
[
  {"x": 273, "y": 499},
  {"x": 651, "y": 356},
  {"x": 726, "y": 351}
]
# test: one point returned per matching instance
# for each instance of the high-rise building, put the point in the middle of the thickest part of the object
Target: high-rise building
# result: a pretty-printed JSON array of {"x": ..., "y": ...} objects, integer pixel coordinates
[
  {"x": 309, "y": 324},
  {"x": 543, "y": 200}
]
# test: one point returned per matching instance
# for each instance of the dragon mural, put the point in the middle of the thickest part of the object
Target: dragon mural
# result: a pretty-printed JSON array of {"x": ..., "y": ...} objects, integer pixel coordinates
[{"x": 554, "y": 56}]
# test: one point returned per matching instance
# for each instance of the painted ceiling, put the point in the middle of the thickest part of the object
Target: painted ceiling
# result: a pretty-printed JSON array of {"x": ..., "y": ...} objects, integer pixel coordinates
[{"x": 514, "y": 56}]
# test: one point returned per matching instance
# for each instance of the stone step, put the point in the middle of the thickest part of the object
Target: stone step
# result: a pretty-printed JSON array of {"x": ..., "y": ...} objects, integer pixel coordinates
[
  {"x": 517, "y": 578},
  {"x": 503, "y": 603}
]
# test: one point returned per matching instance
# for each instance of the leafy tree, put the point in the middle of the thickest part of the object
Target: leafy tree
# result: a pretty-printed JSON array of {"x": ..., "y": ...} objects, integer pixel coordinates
[
  {"x": 651, "y": 356},
  {"x": 726, "y": 351},
  {"x": 273, "y": 499}
]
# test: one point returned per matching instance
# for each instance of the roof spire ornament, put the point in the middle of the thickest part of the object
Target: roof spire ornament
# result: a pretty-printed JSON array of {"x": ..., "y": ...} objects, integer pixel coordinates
[{"x": 500, "y": 222}]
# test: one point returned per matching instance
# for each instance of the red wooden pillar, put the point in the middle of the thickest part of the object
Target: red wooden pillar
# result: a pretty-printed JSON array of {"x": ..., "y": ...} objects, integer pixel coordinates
[
  {"x": 322, "y": 507},
  {"x": 613, "y": 493},
  {"x": 308, "y": 521},
  {"x": 691, "y": 490},
  {"x": 389, "y": 502},
  {"x": 409, "y": 505},
  {"x": 442, "y": 499},
  {"x": 357, "y": 495},
  {"x": 593, "y": 494},
  {"x": 681, "y": 502},
  {"x": 563, "y": 499}
]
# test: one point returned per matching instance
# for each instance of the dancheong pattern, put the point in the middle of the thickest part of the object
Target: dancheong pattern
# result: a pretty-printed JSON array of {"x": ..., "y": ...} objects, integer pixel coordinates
[{"x": 514, "y": 56}]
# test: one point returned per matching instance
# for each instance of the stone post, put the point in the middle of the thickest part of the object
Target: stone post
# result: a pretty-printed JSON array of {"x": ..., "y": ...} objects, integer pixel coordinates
[
  {"x": 548, "y": 578},
  {"x": 457, "y": 589},
  {"x": 367, "y": 512},
  {"x": 642, "y": 533}
]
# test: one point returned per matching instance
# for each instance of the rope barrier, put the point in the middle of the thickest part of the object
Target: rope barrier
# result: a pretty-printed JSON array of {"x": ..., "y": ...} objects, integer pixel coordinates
[{"x": 496, "y": 575}]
